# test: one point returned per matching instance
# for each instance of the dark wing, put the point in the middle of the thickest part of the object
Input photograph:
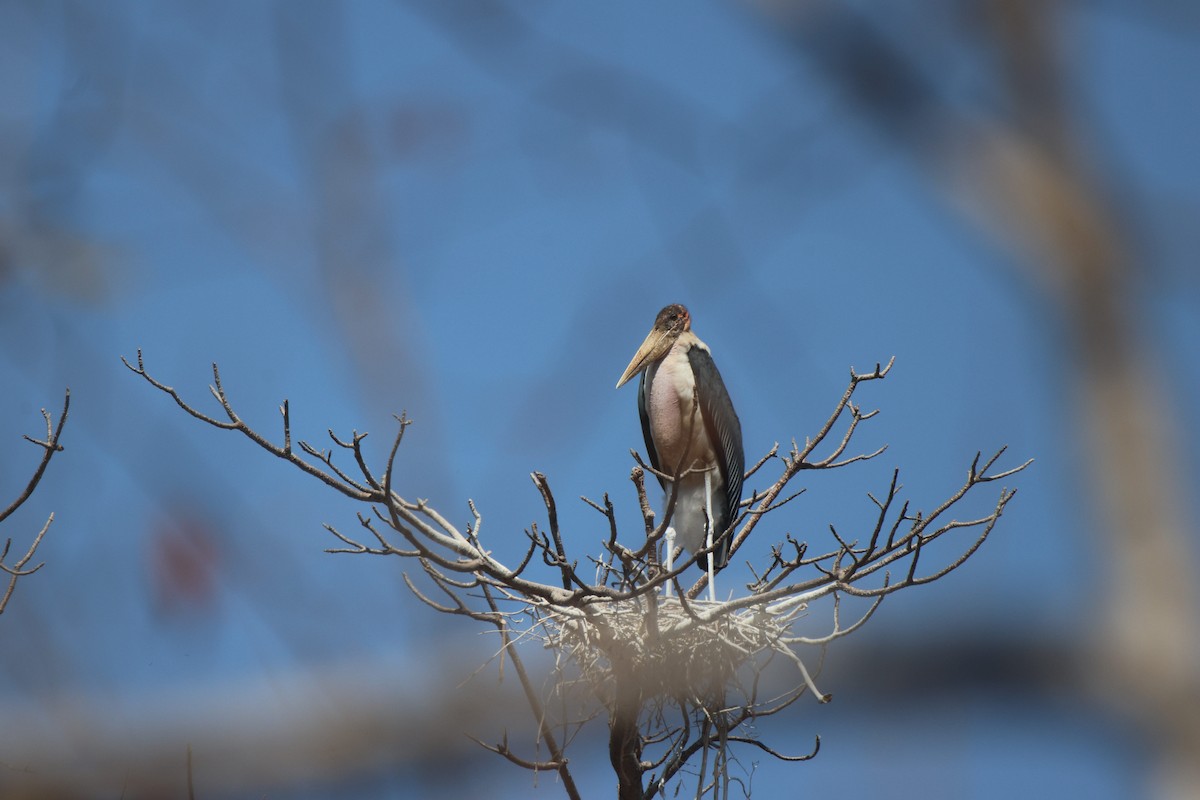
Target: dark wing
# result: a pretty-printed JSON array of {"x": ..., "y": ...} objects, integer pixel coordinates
[
  {"x": 725, "y": 431},
  {"x": 650, "y": 451}
]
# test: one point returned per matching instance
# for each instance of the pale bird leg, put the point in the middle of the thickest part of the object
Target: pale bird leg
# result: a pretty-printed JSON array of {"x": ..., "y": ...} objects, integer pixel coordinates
[
  {"x": 712, "y": 574},
  {"x": 669, "y": 537}
]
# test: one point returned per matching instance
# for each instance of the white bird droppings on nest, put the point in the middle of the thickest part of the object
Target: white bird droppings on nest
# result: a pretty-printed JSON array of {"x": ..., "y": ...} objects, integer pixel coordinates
[{"x": 670, "y": 651}]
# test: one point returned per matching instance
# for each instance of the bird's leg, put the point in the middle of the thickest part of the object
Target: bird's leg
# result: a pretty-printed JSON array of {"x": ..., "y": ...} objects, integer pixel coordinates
[
  {"x": 708, "y": 541},
  {"x": 669, "y": 538}
]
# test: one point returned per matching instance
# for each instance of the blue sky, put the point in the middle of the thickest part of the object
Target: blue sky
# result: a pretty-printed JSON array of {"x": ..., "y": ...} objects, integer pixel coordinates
[{"x": 373, "y": 207}]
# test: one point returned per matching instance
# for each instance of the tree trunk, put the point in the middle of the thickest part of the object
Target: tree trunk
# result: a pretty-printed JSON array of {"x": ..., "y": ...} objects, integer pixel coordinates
[{"x": 624, "y": 737}]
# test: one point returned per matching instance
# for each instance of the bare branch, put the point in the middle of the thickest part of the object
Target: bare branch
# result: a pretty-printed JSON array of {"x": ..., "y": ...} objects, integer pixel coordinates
[
  {"x": 668, "y": 670},
  {"x": 18, "y": 569},
  {"x": 565, "y": 567},
  {"x": 535, "y": 704},
  {"x": 772, "y": 453},
  {"x": 502, "y": 749},
  {"x": 50, "y": 446},
  {"x": 776, "y": 754}
]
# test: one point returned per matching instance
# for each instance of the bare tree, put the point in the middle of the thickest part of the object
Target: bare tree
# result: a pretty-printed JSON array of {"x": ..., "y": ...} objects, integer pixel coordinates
[
  {"x": 680, "y": 681},
  {"x": 50, "y": 445}
]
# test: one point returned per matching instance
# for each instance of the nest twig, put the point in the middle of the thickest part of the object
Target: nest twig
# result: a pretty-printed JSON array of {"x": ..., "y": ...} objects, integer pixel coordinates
[{"x": 678, "y": 657}]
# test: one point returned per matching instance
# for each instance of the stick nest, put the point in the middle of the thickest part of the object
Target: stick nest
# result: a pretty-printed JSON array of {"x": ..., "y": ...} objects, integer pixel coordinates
[{"x": 669, "y": 652}]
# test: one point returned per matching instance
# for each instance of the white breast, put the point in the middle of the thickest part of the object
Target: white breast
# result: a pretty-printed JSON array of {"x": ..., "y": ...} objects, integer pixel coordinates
[
  {"x": 670, "y": 394},
  {"x": 670, "y": 403}
]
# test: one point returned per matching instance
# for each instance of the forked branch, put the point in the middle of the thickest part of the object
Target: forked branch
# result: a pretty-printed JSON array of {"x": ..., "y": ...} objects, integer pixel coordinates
[{"x": 50, "y": 446}]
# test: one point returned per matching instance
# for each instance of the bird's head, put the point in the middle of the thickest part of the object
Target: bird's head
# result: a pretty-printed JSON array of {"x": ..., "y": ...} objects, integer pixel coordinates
[{"x": 668, "y": 325}]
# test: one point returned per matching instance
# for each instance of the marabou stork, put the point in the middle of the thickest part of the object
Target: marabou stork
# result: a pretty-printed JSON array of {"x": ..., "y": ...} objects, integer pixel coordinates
[{"x": 692, "y": 433}]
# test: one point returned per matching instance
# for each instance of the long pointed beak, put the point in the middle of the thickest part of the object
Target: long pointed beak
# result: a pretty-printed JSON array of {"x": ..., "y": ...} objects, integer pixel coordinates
[{"x": 652, "y": 349}]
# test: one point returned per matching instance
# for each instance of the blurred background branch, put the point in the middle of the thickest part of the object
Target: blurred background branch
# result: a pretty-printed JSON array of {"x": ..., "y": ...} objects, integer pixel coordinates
[{"x": 1028, "y": 176}]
